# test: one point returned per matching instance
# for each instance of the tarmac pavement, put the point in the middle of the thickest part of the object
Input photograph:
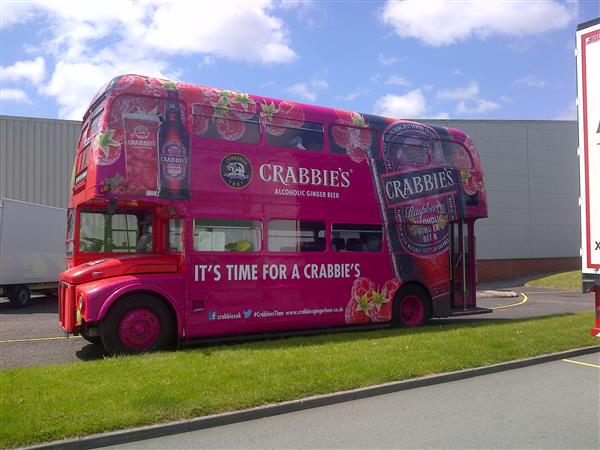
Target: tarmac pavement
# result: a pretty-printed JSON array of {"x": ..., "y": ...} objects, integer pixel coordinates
[
  {"x": 551, "y": 405},
  {"x": 34, "y": 330}
]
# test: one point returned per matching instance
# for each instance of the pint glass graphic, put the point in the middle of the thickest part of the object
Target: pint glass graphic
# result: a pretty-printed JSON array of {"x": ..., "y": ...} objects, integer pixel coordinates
[
  {"x": 173, "y": 152},
  {"x": 140, "y": 152},
  {"x": 417, "y": 195}
]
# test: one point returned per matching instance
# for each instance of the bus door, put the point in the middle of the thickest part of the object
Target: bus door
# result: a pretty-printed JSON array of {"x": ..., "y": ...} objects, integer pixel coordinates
[{"x": 462, "y": 264}]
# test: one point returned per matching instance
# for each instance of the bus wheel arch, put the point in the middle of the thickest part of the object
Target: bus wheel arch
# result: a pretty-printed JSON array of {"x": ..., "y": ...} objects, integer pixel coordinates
[
  {"x": 412, "y": 306},
  {"x": 138, "y": 322}
]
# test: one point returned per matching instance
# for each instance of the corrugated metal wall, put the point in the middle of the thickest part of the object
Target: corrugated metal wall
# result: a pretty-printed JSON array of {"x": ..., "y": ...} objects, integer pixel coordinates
[
  {"x": 532, "y": 182},
  {"x": 36, "y": 159}
]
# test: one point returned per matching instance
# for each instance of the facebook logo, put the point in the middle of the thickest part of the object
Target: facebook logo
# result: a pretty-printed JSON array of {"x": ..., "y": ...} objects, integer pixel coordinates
[{"x": 212, "y": 315}]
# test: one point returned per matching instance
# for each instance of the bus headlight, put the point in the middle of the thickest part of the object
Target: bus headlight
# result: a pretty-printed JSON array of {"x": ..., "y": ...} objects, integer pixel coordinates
[{"x": 80, "y": 303}]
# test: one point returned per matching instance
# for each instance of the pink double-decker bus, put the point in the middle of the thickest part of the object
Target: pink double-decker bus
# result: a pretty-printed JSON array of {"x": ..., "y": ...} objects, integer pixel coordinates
[{"x": 200, "y": 212}]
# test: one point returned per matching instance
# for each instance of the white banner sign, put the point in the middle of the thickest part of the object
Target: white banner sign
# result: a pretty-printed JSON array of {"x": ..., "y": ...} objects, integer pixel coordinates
[{"x": 588, "y": 91}]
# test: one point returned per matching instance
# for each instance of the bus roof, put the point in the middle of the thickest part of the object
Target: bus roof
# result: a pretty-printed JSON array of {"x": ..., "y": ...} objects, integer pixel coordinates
[{"x": 133, "y": 84}]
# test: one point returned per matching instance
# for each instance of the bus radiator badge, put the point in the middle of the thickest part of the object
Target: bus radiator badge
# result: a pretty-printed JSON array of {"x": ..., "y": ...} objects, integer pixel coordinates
[{"x": 236, "y": 170}]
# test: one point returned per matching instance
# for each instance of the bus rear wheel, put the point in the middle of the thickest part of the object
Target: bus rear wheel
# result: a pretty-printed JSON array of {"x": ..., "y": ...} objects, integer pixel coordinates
[
  {"x": 136, "y": 324},
  {"x": 412, "y": 307}
]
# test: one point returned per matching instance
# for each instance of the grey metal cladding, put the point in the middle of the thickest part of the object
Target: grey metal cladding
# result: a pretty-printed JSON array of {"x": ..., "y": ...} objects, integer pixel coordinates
[{"x": 36, "y": 159}]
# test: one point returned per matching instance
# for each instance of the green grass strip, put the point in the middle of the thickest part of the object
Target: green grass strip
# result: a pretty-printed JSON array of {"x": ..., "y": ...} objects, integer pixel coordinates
[
  {"x": 60, "y": 401},
  {"x": 565, "y": 280}
]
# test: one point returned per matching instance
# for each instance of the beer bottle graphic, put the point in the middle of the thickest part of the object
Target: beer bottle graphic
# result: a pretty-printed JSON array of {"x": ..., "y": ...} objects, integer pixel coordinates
[
  {"x": 416, "y": 191},
  {"x": 173, "y": 152}
]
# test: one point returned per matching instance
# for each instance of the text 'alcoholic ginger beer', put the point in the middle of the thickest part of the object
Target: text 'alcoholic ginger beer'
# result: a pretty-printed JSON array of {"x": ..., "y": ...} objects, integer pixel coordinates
[{"x": 173, "y": 152}]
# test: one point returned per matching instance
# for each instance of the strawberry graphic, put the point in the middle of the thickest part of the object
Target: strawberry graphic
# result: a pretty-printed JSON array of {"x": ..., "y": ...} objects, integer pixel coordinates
[
  {"x": 286, "y": 115},
  {"x": 230, "y": 130},
  {"x": 383, "y": 301},
  {"x": 352, "y": 135},
  {"x": 242, "y": 106},
  {"x": 382, "y": 308},
  {"x": 361, "y": 286},
  {"x": 357, "y": 310},
  {"x": 361, "y": 301}
]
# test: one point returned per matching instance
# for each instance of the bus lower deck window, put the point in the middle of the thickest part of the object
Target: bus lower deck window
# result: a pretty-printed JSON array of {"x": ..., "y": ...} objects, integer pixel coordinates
[
  {"x": 356, "y": 238},
  {"x": 296, "y": 236},
  {"x": 225, "y": 235}
]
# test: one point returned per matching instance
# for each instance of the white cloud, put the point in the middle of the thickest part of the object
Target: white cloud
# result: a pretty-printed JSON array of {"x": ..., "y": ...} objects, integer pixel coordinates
[
  {"x": 411, "y": 105},
  {"x": 569, "y": 113},
  {"x": 12, "y": 13},
  {"x": 441, "y": 115},
  {"x": 87, "y": 45},
  {"x": 477, "y": 106},
  {"x": 14, "y": 95},
  {"x": 73, "y": 84},
  {"x": 208, "y": 60},
  {"x": 469, "y": 101},
  {"x": 388, "y": 60},
  {"x": 307, "y": 91},
  {"x": 530, "y": 81},
  {"x": 242, "y": 31},
  {"x": 397, "y": 80},
  {"x": 33, "y": 71},
  {"x": 461, "y": 93},
  {"x": 443, "y": 22},
  {"x": 352, "y": 95}
]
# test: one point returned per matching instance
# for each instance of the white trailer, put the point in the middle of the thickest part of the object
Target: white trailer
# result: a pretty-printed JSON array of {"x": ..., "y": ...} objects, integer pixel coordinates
[
  {"x": 588, "y": 118},
  {"x": 32, "y": 249}
]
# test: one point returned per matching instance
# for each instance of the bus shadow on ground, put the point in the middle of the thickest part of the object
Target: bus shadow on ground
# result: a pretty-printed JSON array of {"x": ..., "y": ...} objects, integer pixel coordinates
[
  {"x": 91, "y": 352},
  {"x": 316, "y": 338}
]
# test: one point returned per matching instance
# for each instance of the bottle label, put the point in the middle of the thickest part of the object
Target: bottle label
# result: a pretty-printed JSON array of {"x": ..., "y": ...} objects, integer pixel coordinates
[{"x": 173, "y": 161}]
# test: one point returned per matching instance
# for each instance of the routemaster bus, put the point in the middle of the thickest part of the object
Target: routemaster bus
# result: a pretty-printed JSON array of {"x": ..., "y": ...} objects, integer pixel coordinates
[{"x": 199, "y": 212}]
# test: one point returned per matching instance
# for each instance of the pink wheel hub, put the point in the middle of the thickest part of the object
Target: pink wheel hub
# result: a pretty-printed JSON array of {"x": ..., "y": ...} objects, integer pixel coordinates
[
  {"x": 411, "y": 310},
  {"x": 139, "y": 329}
]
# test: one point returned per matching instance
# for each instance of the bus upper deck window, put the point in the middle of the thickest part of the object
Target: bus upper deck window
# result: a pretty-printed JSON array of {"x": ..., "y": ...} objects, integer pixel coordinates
[
  {"x": 350, "y": 140},
  {"x": 458, "y": 155},
  {"x": 414, "y": 150},
  {"x": 295, "y": 134}
]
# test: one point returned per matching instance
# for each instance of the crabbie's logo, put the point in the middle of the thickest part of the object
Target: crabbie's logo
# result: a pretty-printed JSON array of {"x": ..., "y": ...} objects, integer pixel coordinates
[
  {"x": 236, "y": 170},
  {"x": 141, "y": 132},
  {"x": 304, "y": 176}
]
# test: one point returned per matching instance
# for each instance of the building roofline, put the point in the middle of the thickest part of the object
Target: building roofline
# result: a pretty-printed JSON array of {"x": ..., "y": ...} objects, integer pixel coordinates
[{"x": 40, "y": 119}]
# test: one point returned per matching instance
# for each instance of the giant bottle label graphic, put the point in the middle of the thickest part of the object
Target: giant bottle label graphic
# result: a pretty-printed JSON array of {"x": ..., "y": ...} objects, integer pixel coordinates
[
  {"x": 416, "y": 191},
  {"x": 173, "y": 152}
]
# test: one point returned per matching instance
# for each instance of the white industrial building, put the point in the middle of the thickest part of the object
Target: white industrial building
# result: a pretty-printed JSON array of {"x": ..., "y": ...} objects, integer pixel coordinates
[{"x": 531, "y": 178}]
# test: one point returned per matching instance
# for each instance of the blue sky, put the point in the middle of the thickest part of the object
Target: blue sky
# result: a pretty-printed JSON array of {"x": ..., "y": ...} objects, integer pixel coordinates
[{"x": 406, "y": 59}]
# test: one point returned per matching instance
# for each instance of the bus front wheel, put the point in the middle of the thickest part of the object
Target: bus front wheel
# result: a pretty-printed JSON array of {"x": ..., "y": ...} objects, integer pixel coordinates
[
  {"x": 136, "y": 324},
  {"x": 411, "y": 308}
]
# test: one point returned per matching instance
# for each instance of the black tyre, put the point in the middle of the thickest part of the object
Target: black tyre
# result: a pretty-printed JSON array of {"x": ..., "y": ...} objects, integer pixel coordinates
[
  {"x": 19, "y": 295},
  {"x": 96, "y": 340},
  {"x": 136, "y": 324},
  {"x": 411, "y": 308}
]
